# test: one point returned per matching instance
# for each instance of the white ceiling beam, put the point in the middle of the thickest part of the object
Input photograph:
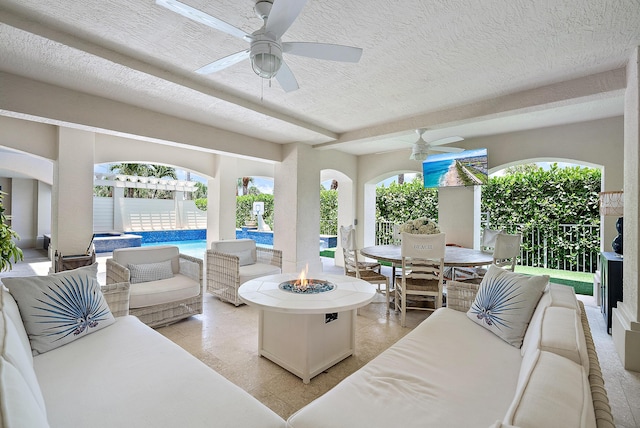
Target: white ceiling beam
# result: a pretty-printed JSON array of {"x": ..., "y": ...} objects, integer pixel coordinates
[{"x": 602, "y": 85}]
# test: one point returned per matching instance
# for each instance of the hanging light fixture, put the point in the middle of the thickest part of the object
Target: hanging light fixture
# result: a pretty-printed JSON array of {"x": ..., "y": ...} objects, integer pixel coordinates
[
  {"x": 266, "y": 58},
  {"x": 420, "y": 152}
]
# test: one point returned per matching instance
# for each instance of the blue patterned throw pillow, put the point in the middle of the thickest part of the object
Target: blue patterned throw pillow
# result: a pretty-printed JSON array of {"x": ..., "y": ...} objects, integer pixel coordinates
[
  {"x": 59, "y": 308},
  {"x": 505, "y": 303}
]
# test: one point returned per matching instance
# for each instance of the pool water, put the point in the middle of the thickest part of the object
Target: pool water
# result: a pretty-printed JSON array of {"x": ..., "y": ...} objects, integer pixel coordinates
[{"x": 193, "y": 248}]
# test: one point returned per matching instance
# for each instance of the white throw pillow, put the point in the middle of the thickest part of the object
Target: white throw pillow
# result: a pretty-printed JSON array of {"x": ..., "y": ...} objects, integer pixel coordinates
[
  {"x": 146, "y": 272},
  {"x": 505, "y": 303},
  {"x": 59, "y": 308}
]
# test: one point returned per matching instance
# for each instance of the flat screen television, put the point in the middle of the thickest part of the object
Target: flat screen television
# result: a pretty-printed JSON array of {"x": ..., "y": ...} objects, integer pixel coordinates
[{"x": 467, "y": 168}]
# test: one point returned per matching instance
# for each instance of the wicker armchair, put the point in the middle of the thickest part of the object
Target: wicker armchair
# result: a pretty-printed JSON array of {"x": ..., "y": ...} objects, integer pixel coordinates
[
  {"x": 188, "y": 274},
  {"x": 231, "y": 263}
]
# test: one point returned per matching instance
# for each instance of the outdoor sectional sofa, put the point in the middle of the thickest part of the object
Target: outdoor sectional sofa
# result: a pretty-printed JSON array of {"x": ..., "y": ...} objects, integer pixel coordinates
[
  {"x": 123, "y": 375},
  {"x": 452, "y": 372}
]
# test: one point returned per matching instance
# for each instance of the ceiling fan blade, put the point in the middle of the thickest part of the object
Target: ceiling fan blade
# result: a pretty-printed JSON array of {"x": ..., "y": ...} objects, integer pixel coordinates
[
  {"x": 323, "y": 51},
  {"x": 446, "y": 149},
  {"x": 201, "y": 17},
  {"x": 282, "y": 15},
  {"x": 286, "y": 79},
  {"x": 446, "y": 140},
  {"x": 223, "y": 63}
]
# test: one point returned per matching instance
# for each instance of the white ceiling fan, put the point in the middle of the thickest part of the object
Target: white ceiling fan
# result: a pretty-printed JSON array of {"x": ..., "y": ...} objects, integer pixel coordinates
[
  {"x": 266, "y": 47},
  {"x": 422, "y": 148}
]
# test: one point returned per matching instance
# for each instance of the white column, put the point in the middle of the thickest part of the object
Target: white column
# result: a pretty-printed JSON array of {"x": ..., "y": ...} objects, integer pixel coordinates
[
  {"x": 459, "y": 215},
  {"x": 625, "y": 326},
  {"x": 221, "y": 201},
  {"x": 72, "y": 198},
  {"x": 297, "y": 209}
]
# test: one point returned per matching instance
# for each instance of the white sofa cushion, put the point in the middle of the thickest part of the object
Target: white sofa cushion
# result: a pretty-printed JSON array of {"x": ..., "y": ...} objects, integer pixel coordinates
[
  {"x": 145, "y": 272},
  {"x": 563, "y": 296},
  {"x": 531, "y": 341},
  {"x": 10, "y": 309},
  {"x": 19, "y": 406},
  {"x": 59, "y": 308},
  {"x": 505, "y": 303},
  {"x": 562, "y": 334},
  {"x": 553, "y": 391},
  {"x": 129, "y": 375},
  {"x": 178, "y": 287},
  {"x": 22, "y": 401},
  {"x": 446, "y": 363}
]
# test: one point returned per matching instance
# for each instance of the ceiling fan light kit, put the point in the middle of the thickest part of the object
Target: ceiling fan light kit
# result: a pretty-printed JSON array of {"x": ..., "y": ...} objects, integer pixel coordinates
[
  {"x": 266, "y": 58},
  {"x": 422, "y": 148},
  {"x": 420, "y": 152}
]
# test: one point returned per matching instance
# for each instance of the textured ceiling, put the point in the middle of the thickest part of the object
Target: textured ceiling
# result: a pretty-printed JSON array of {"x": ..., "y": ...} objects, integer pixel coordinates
[{"x": 425, "y": 64}]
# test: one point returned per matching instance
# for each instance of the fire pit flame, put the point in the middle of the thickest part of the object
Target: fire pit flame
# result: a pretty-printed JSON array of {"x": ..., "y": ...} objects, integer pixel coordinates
[{"x": 305, "y": 285}]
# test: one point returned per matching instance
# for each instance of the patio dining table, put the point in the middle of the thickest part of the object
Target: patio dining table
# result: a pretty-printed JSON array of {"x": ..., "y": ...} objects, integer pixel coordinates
[{"x": 453, "y": 256}]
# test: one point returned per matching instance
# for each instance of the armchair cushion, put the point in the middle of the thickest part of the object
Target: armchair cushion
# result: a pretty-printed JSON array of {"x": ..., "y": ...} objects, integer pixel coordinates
[
  {"x": 145, "y": 272},
  {"x": 247, "y": 257},
  {"x": 174, "y": 289},
  {"x": 245, "y": 249},
  {"x": 60, "y": 308},
  {"x": 141, "y": 255},
  {"x": 256, "y": 270}
]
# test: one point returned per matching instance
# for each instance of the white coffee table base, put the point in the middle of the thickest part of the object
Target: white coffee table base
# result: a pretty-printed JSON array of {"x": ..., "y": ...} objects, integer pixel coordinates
[
  {"x": 306, "y": 333},
  {"x": 306, "y": 345}
]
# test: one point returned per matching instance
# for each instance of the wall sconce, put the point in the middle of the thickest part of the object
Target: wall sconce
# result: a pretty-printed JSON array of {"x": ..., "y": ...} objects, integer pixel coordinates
[{"x": 612, "y": 204}]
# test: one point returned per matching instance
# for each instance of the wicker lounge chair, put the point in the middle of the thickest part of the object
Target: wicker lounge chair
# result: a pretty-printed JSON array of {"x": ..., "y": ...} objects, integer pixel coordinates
[{"x": 231, "y": 263}]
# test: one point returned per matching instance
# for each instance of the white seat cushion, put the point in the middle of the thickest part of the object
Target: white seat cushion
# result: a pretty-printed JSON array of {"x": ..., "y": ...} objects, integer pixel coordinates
[
  {"x": 151, "y": 293},
  {"x": 257, "y": 270},
  {"x": 446, "y": 363},
  {"x": 129, "y": 375}
]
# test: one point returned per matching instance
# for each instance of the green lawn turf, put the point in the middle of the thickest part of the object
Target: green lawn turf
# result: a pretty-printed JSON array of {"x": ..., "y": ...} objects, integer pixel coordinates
[{"x": 581, "y": 282}]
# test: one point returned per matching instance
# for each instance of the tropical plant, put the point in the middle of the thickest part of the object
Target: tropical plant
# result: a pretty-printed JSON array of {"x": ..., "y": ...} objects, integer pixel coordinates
[
  {"x": 145, "y": 170},
  {"x": 8, "y": 249}
]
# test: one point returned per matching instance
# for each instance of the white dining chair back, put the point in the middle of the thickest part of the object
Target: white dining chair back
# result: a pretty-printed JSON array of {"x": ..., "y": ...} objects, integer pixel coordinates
[
  {"x": 367, "y": 271},
  {"x": 507, "y": 250},
  {"x": 422, "y": 273},
  {"x": 488, "y": 242}
]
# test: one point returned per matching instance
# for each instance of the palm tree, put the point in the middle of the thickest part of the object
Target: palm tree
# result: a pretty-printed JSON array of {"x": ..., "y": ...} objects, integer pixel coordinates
[
  {"x": 161, "y": 171},
  {"x": 139, "y": 169},
  {"x": 244, "y": 182}
]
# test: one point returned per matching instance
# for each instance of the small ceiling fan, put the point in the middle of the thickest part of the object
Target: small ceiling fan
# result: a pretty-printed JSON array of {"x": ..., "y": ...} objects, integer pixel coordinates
[
  {"x": 421, "y": 148},
  {"x": 266, "y": 47}
]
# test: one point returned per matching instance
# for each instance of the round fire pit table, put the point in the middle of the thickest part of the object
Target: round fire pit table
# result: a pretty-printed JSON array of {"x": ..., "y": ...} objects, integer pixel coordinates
[{"x": 306, "y": 332}]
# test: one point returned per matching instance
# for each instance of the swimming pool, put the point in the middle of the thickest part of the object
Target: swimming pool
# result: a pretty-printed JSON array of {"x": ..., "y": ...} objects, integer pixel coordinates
[{"x": 193, "y": 248}]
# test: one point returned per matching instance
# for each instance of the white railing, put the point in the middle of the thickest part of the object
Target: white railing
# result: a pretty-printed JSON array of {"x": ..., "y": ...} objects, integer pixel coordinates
[{"x": 571, "y": 247}]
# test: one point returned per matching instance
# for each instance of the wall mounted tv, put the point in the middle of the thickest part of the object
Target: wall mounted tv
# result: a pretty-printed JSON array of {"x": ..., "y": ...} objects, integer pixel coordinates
[{"x": 467, "y": 168}]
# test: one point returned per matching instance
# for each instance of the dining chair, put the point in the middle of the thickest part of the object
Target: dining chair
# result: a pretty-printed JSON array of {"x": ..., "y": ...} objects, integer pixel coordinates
[
  {"x": 367, "y": 271},
  {"x": 507, "y": 250},
  {"x": 422, "y": 273},
  {"x": 475, "y": 274}
]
